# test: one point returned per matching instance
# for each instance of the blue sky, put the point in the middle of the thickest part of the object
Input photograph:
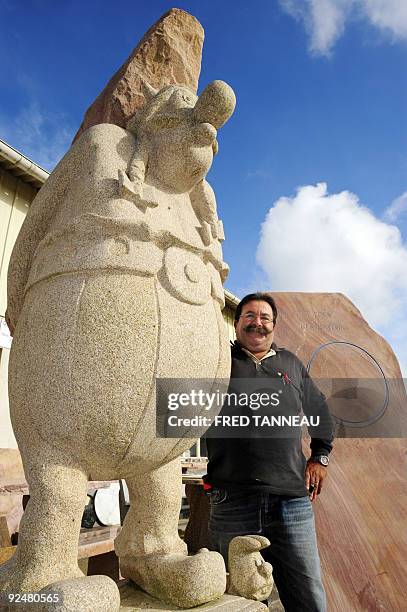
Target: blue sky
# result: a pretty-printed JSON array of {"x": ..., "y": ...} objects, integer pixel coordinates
[{"x": 321, "y": 89}]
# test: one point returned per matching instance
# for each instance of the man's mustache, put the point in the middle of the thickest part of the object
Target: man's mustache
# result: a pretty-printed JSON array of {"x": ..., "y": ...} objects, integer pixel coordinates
[{"x": 256, "y": 328}]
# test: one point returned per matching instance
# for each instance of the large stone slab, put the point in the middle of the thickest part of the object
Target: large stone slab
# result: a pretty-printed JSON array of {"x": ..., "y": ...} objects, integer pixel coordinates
[
  {"x": 134, "y": 600},
  {"x": 350, "y": 360},
  {"x": 169, "y": 53},
  {"x": 360, "y": 514},
  {"x": 309, "y": 320}
]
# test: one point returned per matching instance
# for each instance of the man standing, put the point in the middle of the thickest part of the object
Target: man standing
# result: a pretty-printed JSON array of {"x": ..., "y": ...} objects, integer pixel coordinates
[{"x": 263, "y": 485}]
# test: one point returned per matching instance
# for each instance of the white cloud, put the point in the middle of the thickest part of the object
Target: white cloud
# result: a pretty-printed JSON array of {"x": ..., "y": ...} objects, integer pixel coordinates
[
  {"x": 43, "y": 137},
  {"x": 396, "y": 208},
  {"x": 327, "y": 23},
  {"x": 390, "y": 15},
  {"x": 325, "y": 20},
  {"x": 320, "y": 242}
]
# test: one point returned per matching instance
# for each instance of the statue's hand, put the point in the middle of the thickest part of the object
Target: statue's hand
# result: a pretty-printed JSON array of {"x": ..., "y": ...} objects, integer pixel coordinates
[
  {"x": 133, "y": 191},
  {"x": 204, "y": 203},
  {"x": 129, "y": 189}
]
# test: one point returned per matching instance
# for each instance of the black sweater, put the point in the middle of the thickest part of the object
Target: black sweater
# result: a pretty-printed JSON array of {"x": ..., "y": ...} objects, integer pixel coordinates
[{"x": 274, "y": 464}]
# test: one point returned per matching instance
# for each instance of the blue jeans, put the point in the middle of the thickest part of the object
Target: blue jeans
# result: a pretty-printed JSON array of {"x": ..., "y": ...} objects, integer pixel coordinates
[{"x": 288, "y": 522}]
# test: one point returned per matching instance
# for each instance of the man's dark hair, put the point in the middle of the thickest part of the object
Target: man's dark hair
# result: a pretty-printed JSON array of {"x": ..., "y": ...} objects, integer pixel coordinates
[{"x": 259, "y": 296}]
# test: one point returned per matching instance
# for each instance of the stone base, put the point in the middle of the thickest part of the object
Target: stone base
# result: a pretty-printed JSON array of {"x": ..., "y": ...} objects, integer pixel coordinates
[{"x": 134, "y": 600}]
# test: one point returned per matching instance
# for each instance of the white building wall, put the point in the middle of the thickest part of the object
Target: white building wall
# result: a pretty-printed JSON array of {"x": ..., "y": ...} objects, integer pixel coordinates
[
  {"x": 15, "y": 199},
  {"x": 7, "y": 439}
]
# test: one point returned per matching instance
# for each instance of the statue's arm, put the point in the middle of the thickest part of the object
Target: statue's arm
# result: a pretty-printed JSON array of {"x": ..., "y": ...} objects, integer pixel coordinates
[
  {"x": 31, "y": 233},
  {"x": 203, "y": 201}
]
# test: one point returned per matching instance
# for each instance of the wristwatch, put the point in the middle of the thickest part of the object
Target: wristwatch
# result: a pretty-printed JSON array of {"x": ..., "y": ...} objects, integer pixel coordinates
[{"x": 322, "y": 459}]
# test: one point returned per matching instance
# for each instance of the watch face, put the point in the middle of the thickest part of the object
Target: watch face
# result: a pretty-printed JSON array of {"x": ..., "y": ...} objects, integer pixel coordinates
[{"x": 324, "y": 460}]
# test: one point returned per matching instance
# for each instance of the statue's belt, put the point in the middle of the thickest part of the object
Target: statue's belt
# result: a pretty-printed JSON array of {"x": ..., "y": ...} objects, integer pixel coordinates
[{"x": 191, "y": 276}]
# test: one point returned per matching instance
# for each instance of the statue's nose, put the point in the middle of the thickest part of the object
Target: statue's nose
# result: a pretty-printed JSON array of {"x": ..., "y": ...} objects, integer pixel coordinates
[
  {"x": 204, "y": 133},
  {"x": 216, "y": 104}
]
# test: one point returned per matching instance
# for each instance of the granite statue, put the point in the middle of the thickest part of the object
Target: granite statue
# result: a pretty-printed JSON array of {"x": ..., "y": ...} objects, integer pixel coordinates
[{"x": 115, "y": 280}]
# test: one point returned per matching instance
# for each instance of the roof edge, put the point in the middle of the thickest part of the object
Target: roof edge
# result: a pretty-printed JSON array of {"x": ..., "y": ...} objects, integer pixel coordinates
[
  {"x": 231, "y": 300},
  {"x": 22, "y": 166}
]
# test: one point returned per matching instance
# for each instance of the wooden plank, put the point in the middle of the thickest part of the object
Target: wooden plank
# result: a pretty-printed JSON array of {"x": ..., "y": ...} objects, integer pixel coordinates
[
  {"x": 6, "y": 552},
  {"x": 191, "y": 479},
  {"x": 5, "y": 539},
  {"x": 92, "y": 542},
  {"x": 20, "y": 487},
  {"x": 97, "y": 541},
  {"x": 14, "y": 487}
]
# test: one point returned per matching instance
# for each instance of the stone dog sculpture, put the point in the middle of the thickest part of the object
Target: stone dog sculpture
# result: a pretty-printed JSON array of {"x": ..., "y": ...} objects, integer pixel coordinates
[{"x": 115, "y": 280}]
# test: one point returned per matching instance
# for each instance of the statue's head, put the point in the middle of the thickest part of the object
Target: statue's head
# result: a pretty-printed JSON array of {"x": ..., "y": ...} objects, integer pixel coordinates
[{"x": 177, "y": 132}]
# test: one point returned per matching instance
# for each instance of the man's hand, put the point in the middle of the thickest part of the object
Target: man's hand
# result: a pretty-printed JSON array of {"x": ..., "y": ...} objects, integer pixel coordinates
[{"x": 315, "y": 473}]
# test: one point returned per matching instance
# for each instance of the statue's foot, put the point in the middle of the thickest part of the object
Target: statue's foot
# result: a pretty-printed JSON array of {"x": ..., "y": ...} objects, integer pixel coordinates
[
  {"x": 249, "y": 575},
  {"x": 86, "y": 594},
  {"x": 16, "y": 577},
  {"x": 181, "y": 580}
]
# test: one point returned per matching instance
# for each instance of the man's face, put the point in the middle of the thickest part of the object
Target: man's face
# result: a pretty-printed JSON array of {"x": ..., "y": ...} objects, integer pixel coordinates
[{"x": 255, "y": 328}]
